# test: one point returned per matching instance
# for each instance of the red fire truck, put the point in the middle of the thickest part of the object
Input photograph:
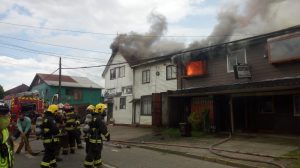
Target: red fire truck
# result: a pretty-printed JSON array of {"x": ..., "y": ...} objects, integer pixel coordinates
[{"x": 28, "y": 103}]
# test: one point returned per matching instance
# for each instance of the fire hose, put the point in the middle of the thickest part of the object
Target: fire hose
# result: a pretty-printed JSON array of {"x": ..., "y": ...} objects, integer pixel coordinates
[{"x": 213, "y": 150}]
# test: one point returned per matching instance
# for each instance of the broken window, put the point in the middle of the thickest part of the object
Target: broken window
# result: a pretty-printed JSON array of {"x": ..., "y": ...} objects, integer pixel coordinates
[
  {"x": 196, "y": 68},
  {"x": 237, "y": 57}
]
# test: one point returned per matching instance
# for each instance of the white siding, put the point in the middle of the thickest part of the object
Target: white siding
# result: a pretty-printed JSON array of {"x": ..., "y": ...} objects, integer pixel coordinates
[
  {"x": 118, "y": 83},
  {"x": 158, "y": 84},
  {"x": 121, "y": 116}
]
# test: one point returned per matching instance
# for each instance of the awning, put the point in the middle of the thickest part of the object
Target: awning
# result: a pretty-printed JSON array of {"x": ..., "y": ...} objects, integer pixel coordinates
[{"x": 134, "y": 100}]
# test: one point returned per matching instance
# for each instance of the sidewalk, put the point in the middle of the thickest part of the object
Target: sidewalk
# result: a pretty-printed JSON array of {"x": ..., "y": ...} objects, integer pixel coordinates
[{"x": 276, "y": 146}]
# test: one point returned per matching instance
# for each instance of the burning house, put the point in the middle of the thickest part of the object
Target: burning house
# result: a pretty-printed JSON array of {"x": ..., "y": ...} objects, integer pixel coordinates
[{"x": 251, "y": 84}]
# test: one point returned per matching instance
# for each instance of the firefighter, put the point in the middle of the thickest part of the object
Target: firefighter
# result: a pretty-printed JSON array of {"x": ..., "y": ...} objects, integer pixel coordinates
[
  {"x": 89, "y": 111},
  {"x": 6, "y": 144},
  {"x": 71, "y": 121},
  {"x": 96, "y": 128},
  {"x": 49, "y": 135}
]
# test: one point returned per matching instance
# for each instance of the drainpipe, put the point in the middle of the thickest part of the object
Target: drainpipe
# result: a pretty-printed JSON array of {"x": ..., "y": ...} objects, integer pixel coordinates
[{"x": 231, "y": 115}]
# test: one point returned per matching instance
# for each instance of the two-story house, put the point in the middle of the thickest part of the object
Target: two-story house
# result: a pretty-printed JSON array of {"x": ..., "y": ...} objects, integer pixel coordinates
[
  {"x": 77, "y": 91},
  {"x": 251, "y": 84},
  {"x": 118, "y": 89},
  {"x": 152, "y": 79}
]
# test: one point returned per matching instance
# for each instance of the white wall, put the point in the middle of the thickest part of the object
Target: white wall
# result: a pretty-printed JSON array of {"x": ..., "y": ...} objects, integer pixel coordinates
[
  {"x": 158, "y": 84},
  {"x": 121, "y": 116}
]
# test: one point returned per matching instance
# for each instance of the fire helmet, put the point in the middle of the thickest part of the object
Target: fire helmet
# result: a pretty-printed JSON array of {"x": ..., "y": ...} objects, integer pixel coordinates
[
  {"x": 90, "y": 108},
  {"x": 100, "y": 108},
  {"x": 53, "y": 108}
]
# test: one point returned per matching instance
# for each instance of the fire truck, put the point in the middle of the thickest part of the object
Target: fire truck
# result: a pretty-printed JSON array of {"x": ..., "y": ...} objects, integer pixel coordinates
[{"x": 28, "y": 103}]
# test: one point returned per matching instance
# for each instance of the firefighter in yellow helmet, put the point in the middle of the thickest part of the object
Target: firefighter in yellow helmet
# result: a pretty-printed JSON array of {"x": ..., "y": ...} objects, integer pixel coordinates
[
  {"x": 6, "y": 144},
  {"x": 49, "y": 135},
  {"x": 96, "y": 128}
]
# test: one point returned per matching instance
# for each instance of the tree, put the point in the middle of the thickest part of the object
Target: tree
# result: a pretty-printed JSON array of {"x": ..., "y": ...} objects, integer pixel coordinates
[{"x": 1, "y": 92}]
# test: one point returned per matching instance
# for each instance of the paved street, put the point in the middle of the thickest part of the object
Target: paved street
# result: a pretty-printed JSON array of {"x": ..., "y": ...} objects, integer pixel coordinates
[{"x": 121, "y": 158}]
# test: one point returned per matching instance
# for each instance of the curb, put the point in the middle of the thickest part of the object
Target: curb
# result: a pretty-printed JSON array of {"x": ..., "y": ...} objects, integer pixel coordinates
[{"x": 205, "y": 158}]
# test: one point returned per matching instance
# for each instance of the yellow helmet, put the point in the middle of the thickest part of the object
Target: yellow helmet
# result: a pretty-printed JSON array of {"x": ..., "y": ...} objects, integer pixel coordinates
[
  {"x": 53, "y": 108},
  {"x": 100, "y": 108},
  {"x": 91, "y": 108}
]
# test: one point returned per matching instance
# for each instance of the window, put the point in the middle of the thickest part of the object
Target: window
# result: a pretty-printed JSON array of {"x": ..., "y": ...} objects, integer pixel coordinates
[
  {"x": 122, "y": 102},
  {"x": 196, "y": 68},
  {"x": 146, "y": 76},
  {"x": 112, "y": 74},
  {"x": 146, "y": 105},
  {"x": 127, "y": 90},
  {"x": 297, "y": 105},
  {"x": 236, "y": 58},
  {"x": 74, "y": 93},
  {"x": 69, "y": 91},
  {"x": 121, "y": 71},
  {"x": 284, "y": 48},
  {"x": 171, "y": 72}
]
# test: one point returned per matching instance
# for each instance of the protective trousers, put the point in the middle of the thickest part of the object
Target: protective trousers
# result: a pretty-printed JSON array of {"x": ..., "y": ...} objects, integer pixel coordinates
[
  {"x": 71, "y": 134},
  {"x": 49, "y": 155},
  {"x": 78, "y": 138},
  {"x": 93, "y": 157}
]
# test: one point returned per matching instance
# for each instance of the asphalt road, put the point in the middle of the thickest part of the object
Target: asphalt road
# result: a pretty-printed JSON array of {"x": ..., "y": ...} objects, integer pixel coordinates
[{"x": 114, "y": 157}]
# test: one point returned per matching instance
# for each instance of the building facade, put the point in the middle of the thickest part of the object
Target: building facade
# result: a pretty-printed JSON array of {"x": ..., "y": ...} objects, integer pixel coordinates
[{"x": 248, "y": 85}]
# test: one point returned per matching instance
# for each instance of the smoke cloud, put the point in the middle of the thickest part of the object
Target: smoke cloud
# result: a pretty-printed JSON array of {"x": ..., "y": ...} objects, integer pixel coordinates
[
  {"x": 237, "y": 21},
  {"x": 134, "y": 46}
]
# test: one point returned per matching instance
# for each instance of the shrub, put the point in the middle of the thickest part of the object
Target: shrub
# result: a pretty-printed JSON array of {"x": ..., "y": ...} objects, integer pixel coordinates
[{"x": 195, "y": 120}]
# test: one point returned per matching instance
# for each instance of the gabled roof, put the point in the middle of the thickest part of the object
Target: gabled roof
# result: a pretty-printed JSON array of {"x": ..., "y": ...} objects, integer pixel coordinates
[
  {"x": 66, "y": 81},
  {"x": 18, "y": 89}
]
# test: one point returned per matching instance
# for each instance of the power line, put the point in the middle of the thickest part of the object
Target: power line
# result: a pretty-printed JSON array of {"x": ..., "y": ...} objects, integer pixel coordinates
[
  {"x": 47, "y": 53},
  {"x": 115, "y": 34},
  {"x": 95, "y": 66},
  {"x": 37, "y": 42}
]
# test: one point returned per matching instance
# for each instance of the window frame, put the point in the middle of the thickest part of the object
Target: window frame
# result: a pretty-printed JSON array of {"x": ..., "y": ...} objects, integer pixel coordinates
[
  {"x": 147, "y": 99},
  {"x": 113, "y": 74},
  {"x": 170, "y": 67},
  {"x": 228, "y": 57},
  {"x": 122, "y": 106},
  {"x": 147, "y": 78},
  {"x": 119, "y": 70}
]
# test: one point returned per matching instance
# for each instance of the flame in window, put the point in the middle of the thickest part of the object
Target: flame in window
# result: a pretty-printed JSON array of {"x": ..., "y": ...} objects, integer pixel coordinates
[{"x": 196, "y": 68}]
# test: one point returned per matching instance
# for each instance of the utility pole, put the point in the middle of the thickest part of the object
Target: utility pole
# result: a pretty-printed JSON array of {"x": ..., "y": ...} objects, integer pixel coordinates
[{"x": 59, "y": 81}]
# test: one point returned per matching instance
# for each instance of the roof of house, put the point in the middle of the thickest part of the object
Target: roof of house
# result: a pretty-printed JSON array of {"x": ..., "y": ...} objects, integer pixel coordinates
[
  {"x": 18, "y": 89},
  {"x": 138, "y": 61},
  {"x": 241, "y": 42},
  {"x": 67, "y": 81}
]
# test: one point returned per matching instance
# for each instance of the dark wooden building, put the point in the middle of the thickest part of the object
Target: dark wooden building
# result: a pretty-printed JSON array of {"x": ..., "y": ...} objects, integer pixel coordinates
[{"x": 248, "y": 85}]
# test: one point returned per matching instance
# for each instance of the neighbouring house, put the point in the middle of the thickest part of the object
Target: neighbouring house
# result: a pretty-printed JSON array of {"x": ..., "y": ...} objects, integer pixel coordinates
[
  {"x": 247, "y": 85},
  {"x": 16, "y": 90},
  {"x": 152, "y": 78},
  {"x": 77, "y": 91},
  {"x": 118, "y": 89}
]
